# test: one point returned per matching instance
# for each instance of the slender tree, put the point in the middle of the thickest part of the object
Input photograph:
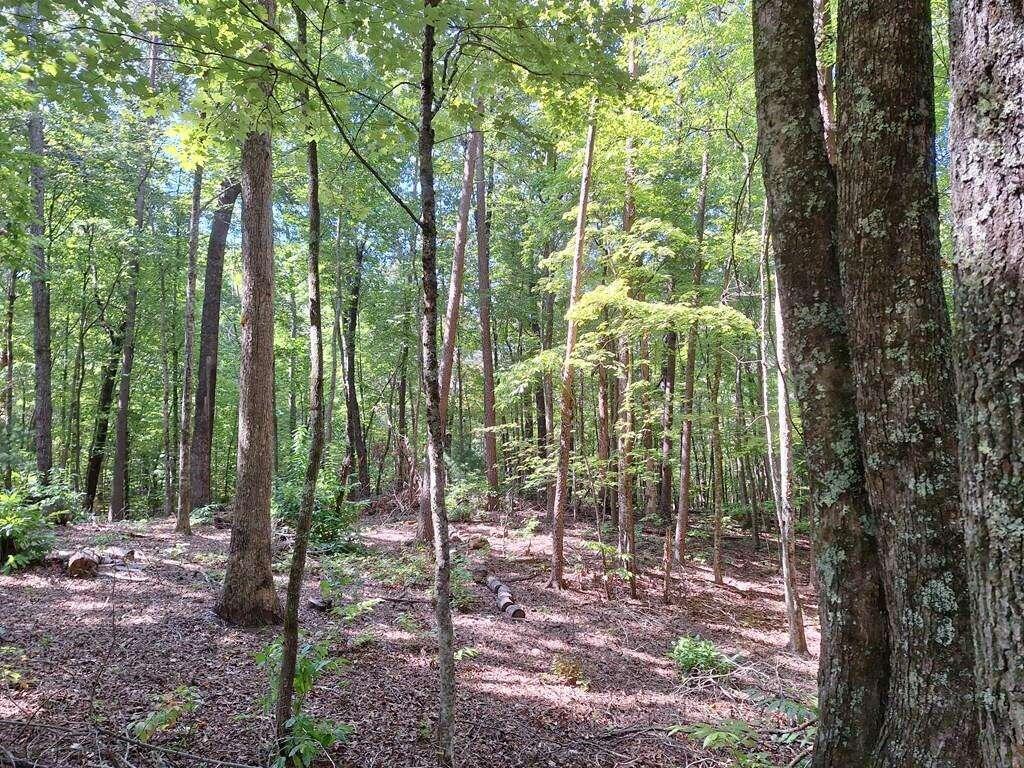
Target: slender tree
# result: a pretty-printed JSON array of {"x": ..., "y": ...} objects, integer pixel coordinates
[
  {"x": 184, "y": 437},
  {"x": 561, "y": 501},
  {"x": 483, "y": 249}
]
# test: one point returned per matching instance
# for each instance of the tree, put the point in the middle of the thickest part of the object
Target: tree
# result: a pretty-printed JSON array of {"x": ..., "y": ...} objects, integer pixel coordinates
[
  {"x": 184, "y": 439},
  {"x": 801, "y": 193},
  {"x": 565, "y": 434},
  {"x": 249, "y": 597},
  {"x": 290, "y": 643},
  {"x": 483, "y": 226},
  {"x": 209, "y": 341},
  {"x": 899, "y": 335},
  {"x": 987, "y": 123}
]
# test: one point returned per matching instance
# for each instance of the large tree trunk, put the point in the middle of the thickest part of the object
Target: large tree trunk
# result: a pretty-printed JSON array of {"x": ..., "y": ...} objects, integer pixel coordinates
[
  {"x": 988, "y": 207},
  {"x": 290, "y": 641},
  {"x": 483, "y": 225},
  {"x": 249, "y": 597},
  {"x": 183, "y": 524},
  {"x": 435, "y": 423},
  {"x": 209, "y": 338},
  {"x": 561, "y": 500},
  {"x": 43, "y": 415},
  {"x": 853, "y": 667},
  {"x": 899, "y": 333},
  {"x": 353, "y": 419},
  {"x": 686, "y": 429}
]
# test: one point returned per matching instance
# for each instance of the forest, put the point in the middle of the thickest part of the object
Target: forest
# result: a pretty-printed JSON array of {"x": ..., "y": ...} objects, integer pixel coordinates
[{"x": 493, "y": 384}]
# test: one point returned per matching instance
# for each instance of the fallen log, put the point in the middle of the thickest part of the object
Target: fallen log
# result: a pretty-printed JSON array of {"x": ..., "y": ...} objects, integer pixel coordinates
[
  {"x": 83, "y": 565},
  {"x": 504, "y": 599}
]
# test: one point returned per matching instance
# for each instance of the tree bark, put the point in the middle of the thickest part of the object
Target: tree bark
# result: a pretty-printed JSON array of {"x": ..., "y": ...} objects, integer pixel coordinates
[
  {"x": 353, "y": 422},
  {"x": 98, "y": 446},
  {"x": 200, "y": 486},
  {"x": 249, "y": 597},
  {"x": 43, "y": 414},
  {"x": 8, "y": 365},
  {"x": 483, "y": 226},
  {"x": 900, "y": 343},
  {"x": 561, "y": 500},
  {"x": 988, "y": 207},
  {"x": 183, "y": 524},
  {"x": 686, "y": 429},
  {"x": 290, "y": 641},
  {"x": 854, "y": 665},
  {"x": 786, "y": 512},
  {"x": 435, "y": 422}
]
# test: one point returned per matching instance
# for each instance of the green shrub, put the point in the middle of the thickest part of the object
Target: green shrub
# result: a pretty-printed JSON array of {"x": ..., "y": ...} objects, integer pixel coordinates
[
  {"x": 26, "y": 532},
  {"x": 695, "y": 655}
]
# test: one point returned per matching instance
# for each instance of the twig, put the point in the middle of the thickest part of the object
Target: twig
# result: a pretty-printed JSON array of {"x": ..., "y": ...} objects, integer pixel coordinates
[{"x": 796, "y": 760}]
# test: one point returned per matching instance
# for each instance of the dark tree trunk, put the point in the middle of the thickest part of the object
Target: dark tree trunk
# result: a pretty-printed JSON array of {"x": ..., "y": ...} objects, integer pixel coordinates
[
  {"x": 853, "y": 670},
  {"x": 435, "y": 425},
  {"x": 43, "y": 414},
  {"x": 200, "y": 486},
  {"x": 899, "y": 333},
  {"x": 98, "y": 446},
  {"x": 290, "y": 642},
  {"x": 249, "y": 597},
  {"x": 988, "y": 208},
  {"x": 8, "y": 365},
  {"x": 354, "y": 424}
]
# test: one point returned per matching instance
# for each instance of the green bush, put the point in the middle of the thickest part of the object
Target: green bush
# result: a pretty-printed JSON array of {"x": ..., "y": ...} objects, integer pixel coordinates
[
  {"x": 26, "y": 532},
  {"x": 695, "y": 654}
]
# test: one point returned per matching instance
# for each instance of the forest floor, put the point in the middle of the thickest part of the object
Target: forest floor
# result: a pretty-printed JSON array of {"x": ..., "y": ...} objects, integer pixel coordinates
[{"x": 582, "y": 681}]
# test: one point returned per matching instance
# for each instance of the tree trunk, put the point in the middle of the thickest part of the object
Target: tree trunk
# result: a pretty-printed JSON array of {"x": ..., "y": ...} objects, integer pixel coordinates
[
  {"x": 900, "y": 338},
  {"x": 335, "y": 340},
  {"x": 786, "y": 513},
  {"x": 290, "y": 638},
  {"x": 686, "y": 429},
  {"x": 249, "y": 597},
  {"x": 43, "y": 414},
  {"x": 119, "y": 501},
  {"x": 824, "y": 40},
  {"x": 988, "y": 207},
  {"x": 354, "y": 424},
  {"x": 184, "y": 437},
  {"x": 435, "y": 423},
  {"x": 561, "y": 500},
  {"x": 166, "y": 341},
  {"x": 98, "y": 446},
  {"x": 8, "y": 365},
  {"x": 717, "y": 479},
  {"x": 483, "y": 225},
  {"x": 200, "y": 486}
]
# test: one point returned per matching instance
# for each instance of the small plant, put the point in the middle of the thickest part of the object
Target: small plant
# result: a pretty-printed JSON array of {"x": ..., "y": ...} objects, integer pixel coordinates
[
  {"x": 568, "y": 670},
  {"x": 462, "y": 595},
  {"x": 26, "y": 532},
  {"x": 737, "y": 738},
  {"x": 528, "y": 529},
  {"x": 354, "y": 610},
  {"x": 103, "y": 539},
  {"x": 697, "y": 655},
  {"x": 12, "y": 659},
  {"x": 408, "y": 623},
  {"x": 307, "y": 736},
  {"x": 467, "y": 652},
  {"x": 171, "y": 708}
]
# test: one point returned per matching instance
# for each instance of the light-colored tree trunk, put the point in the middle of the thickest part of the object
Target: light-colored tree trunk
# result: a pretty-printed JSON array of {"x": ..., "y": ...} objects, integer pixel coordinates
[
  {"x": 988, "y": 207},
  {"x": 786, "y": 512},
  {"x": 183, "y": 524},
  {"x": 686, "y": 428},
  {"x": 561, "y": 500},
  {"x": 249, "y": 597},
  {"x": 483, "y": 225}
]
